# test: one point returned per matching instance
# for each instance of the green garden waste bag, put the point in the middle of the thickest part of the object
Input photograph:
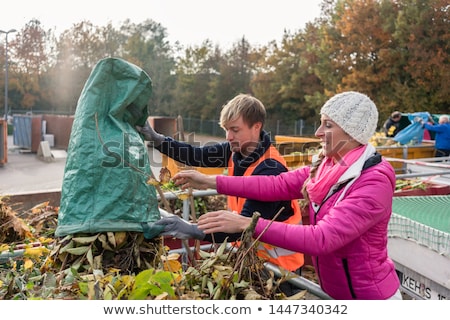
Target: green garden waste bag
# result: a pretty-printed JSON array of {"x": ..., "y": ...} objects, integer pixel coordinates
[{"x": 105, "y": 177}]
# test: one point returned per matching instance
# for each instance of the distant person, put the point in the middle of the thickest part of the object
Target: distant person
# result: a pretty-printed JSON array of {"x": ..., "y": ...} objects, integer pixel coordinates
[
  {"x": 442, "y": 138},
  {"x": 427, "y": 135},
  {"x": 248, "y": 151},
  {"x": 392, "y": 125}
]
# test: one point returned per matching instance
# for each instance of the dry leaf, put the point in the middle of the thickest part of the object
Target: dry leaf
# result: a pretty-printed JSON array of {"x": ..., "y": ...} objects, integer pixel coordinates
[
  {"x": 39, "y": 207},
  {"x": 162, "y": 296},
  {"x": 152, "y": 181},
  {"x": 121, "y": 237},
  {"x": 164, "y": 175},
  {"x": 183, "y": 196},
  {"x": 28, "y": 264},
  {"x": 36, "y": 252},
  {"x": 172, "y": 265},
  {"x": 171, "y": 256}
]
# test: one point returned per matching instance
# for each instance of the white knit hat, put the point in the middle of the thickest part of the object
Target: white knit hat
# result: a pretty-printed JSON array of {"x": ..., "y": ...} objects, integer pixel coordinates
[{"x": 355, "y": 113}]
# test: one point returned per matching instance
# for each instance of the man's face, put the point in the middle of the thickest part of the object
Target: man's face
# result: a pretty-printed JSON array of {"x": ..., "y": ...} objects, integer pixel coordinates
[
  {"x": 396, "y": 117},
  {"x": 242, "y": 138}
]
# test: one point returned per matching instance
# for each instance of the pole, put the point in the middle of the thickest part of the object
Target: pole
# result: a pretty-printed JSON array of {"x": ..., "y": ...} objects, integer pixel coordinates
[{"x": 6, "y": 70}]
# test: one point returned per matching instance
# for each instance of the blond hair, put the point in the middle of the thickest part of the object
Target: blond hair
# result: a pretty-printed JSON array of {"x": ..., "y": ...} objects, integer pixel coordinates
[{"x": 251, "y": 109}]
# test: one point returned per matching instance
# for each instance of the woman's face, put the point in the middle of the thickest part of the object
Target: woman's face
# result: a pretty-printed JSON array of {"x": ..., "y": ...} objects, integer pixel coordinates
[{"x": 335, "y": 142}]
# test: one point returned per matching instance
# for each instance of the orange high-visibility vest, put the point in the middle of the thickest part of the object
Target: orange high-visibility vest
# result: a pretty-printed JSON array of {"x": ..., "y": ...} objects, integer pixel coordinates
[{"x": 289, "y": 260}]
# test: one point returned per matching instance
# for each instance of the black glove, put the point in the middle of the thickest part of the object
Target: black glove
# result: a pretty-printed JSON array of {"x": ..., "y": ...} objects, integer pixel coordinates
[
  {"x": 151, "y": 135},
  {"x": 177, "y": 227}
]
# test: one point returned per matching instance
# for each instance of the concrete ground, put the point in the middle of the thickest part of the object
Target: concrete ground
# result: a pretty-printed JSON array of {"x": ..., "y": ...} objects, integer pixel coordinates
[{"x": 24, "y": 172}]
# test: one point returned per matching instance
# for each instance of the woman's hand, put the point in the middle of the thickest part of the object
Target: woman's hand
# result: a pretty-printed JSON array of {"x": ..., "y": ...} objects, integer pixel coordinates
[
  {"x": 223, "y": 221},
  {"x": 194, "y": 179}
]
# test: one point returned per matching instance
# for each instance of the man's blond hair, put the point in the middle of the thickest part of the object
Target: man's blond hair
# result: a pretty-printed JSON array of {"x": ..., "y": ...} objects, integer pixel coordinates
[{"x": 251, "y": 109}]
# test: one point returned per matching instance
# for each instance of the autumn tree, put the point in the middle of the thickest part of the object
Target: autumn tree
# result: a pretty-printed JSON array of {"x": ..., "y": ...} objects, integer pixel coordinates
[
  {"x": 30, "y": 62},
  {"x": 423, "y": 33},
  {"x": 146, "y": 45},
  {"x": 286, "y": 78},
  {"x": 235, "y": 69},
  {"x": 195, "y": 72},
  {"x": 394, "y": 51},
  {"x": 78, "y": 51},
  {"x": 389, "y": 50},
  {"x": 207, "y": 77}
]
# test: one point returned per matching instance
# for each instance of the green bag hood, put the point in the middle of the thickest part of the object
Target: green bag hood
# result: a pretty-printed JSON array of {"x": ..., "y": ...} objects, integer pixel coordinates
[{"x": 105, "y": 178}]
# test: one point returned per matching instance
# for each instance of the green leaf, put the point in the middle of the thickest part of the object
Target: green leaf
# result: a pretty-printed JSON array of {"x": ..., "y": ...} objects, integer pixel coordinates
[
  {"x": 78, "y": 251},
  {"x": 66, "y": 238},
  {"x": 86, "y": 240},
  {"x": 105, "y": 244},
  {"x": 204, "y": 254},
  {"x": 217, "y": 293},
  {"x": 210, "y": 286},
  {"x": 84, "y": 288},
  {"x": 76, "y": 266},
  {"x": 155, "y": 290},
  {"x": 141, "y": 292},
  {"x": 162, "y": 277},
  {"x": 143, "y": 277},
  {"x": 107, "y": 294},
  {"x": 50, "y": 280},
  {"x": 67, "y": 246},
  {"x": 90, "y": 258},
  {"x": 221, "y": 249}
]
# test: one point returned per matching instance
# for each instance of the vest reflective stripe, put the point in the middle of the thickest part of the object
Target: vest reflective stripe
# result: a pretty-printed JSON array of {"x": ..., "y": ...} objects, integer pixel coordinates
[{"x": 287, "y": 259}]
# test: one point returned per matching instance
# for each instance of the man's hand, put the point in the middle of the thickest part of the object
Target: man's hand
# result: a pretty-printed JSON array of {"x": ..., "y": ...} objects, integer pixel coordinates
[
  {"x": 150, "y": 134},
  {"x": 177, "y": 227},
  {"x": 194, "y": 179}
]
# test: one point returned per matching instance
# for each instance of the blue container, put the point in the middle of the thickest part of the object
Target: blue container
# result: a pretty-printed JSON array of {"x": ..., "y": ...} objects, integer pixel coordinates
[{"x": 22, "y": 131}]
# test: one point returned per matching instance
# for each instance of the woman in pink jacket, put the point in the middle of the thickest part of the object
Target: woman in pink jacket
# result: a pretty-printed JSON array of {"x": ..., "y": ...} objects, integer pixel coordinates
[{"x": 349, "y": 191}]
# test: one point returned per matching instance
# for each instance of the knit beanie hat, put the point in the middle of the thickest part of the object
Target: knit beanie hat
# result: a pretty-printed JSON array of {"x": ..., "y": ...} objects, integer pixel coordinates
[{"x": 355, "y": 113}]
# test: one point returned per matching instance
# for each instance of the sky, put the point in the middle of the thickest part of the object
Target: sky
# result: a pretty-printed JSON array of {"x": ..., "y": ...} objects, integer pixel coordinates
[{"x": 188, "y": 21}]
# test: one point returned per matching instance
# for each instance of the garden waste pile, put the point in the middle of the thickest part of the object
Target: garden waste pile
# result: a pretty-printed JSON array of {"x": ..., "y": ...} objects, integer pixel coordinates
[{"x": 119, "y": 265}]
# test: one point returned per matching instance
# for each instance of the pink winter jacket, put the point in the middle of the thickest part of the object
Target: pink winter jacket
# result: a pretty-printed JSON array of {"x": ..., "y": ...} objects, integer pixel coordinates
[{"x": 347, "y": 238}]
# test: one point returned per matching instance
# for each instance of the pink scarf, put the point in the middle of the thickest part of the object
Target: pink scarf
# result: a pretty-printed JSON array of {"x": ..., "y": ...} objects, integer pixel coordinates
[{"x": 329, "y": 173}]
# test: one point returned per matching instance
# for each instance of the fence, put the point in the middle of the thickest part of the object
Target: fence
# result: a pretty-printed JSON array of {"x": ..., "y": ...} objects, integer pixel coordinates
[
  {"x": 272, "y": 126},
  {"x": 211, "y": 127}
]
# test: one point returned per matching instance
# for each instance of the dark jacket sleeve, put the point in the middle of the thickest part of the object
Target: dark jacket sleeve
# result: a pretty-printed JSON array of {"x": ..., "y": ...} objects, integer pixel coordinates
[
  {"x": 220, "y": 237},
  {"x": 214, "y": 155},
  {"x": 268, "y": 209}
]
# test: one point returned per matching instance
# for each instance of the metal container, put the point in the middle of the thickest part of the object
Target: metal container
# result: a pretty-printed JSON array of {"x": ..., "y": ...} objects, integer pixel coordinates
[{"x": 27, "y": 131}]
